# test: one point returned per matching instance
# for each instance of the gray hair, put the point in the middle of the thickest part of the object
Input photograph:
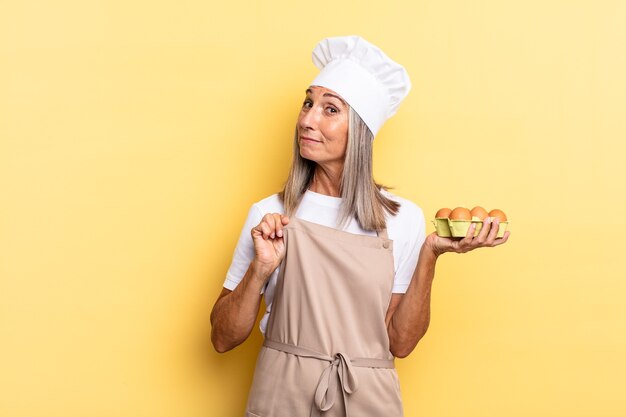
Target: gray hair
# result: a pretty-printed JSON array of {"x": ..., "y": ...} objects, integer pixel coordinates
[{"x": 361, "y": 195}]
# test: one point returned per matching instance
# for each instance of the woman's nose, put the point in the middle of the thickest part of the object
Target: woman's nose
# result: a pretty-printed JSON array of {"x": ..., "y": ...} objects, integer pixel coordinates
[{"x": 310, "y": 118}]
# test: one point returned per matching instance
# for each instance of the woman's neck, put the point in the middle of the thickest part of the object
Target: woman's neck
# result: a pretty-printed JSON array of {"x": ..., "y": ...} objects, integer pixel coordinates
[{"x": 326, "y": 181}]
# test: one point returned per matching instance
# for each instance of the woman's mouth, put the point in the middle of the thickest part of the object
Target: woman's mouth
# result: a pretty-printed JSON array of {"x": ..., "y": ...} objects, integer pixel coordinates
[{"x": 304, "y": 138}]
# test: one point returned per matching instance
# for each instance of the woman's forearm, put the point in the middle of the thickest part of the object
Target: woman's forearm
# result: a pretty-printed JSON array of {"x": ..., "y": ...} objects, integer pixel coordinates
[
  {"x": 412, "y": 316},
  {"x": 235, "y": 313}
]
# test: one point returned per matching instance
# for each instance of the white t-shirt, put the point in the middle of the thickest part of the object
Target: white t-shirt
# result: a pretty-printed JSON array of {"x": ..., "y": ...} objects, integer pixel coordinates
[{"x": 406, "y": 229}]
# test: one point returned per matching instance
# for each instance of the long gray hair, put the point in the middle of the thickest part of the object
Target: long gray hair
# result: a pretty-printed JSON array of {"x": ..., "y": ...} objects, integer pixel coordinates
[{"x": 361, "y": 195}]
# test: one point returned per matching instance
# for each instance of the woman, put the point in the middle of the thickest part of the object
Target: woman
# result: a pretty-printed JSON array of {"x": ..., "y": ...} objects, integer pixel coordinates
[{"x": 344, "y": 265}]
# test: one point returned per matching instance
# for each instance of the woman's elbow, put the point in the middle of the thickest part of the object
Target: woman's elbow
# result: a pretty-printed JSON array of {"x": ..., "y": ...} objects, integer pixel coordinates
[
  {"x": 402, "y": 349},
  {"x": 219, "y": 347},
  {"x": 400, "y": 352},
  {"x": 220, "y": 344},
  {"x": 219, "y": 336}
]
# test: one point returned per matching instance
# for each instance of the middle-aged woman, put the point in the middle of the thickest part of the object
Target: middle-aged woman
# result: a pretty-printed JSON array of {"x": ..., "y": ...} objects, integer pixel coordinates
[{"x": 344, "y": 265}]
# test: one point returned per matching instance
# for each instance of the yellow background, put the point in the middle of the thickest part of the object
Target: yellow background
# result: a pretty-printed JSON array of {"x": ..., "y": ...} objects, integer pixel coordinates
[{"x": 134, "y": 136}]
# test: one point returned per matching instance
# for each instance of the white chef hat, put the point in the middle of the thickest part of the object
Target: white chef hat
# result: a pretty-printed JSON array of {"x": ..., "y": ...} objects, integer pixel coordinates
[{"x": 370, "y": 82}]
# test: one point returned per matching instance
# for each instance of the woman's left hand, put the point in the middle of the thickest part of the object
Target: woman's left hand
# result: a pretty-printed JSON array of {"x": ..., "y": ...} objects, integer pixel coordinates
[{"x": 485, "y": 238}]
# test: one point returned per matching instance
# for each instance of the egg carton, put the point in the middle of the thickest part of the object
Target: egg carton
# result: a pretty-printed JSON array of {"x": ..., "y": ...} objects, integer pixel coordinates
[{"x": 458, "y": 228}]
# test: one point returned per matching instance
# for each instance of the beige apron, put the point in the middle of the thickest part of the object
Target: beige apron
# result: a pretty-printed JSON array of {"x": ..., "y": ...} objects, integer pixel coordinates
[{"x": 326, "y": 350}]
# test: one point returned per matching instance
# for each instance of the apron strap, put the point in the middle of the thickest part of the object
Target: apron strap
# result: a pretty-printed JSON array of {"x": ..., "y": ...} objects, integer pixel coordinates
[{"x": 339, "y": 370}]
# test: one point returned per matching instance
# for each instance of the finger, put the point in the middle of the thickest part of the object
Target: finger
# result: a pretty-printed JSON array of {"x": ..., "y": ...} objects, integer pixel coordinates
[
  {"x": 270, "y": 221},
  {"x": 265, "y": 229},
  {"x": 278, "y": 224},
  {"x": 482, "y": 235},
  {"x": 466, "y": 242},
  {"x": 284, "y": 220},
  {"x": 470, "y": 232},
  {"x": 493, "y": 233},
  {"x": 262, "y": 229},
  {"x": 503, "y": 239}
]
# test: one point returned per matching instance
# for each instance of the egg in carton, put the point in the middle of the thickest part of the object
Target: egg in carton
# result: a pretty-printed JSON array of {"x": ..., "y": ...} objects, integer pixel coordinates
[{"x": 446, "y": 227}]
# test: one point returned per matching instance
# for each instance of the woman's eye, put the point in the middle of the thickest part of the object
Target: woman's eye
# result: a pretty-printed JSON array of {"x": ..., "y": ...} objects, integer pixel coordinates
[{"x": 309, "y": 104}]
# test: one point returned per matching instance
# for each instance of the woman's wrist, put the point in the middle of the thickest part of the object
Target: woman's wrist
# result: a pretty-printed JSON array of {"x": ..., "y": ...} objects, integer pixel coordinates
[
  {"x": 430, "y": 248},
  {"x": 260, "y": 272}
]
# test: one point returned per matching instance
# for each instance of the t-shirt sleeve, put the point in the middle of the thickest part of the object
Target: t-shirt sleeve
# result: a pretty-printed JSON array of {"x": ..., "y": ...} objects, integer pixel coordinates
[
  {"x": 244, "y": 251},
  {"x": 410, "y": 253}
]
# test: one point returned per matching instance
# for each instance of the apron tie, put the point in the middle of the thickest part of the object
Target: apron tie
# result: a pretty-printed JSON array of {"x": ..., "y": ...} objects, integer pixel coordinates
[{"x": 340, "y": 369}]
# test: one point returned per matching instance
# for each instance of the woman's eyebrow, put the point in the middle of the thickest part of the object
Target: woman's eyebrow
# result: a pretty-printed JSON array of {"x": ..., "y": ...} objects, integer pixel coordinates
[{"x": 308, "y": 90}]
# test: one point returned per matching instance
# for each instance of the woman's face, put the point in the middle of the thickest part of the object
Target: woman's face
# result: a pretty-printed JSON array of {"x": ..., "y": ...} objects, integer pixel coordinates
[{"x": 323, "y": 126}]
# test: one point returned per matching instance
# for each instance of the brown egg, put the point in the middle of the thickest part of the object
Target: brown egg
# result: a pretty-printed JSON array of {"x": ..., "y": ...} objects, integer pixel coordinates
[
  {"x": 479, "y": 212},
  {"x": 499, "y": 214},
  {"x": 460, "y": 213},
  {"x": 444, "y": 212}
]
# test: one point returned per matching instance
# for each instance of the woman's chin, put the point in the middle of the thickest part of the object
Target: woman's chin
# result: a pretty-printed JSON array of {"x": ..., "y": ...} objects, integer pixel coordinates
[{"x": 308, "y": 155}]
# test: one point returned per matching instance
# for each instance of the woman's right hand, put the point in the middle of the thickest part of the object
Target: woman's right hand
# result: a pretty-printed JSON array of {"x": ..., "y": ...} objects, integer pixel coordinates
[{"x": 269, "y": 245}]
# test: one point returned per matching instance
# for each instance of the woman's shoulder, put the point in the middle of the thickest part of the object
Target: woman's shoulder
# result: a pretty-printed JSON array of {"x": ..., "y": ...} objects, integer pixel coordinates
[
  {"x": 408, "y": 208},
  {"x": 258, "y": 209},
  {"x": 270, "y": 204},
  {"x": 408, "y": 226}
]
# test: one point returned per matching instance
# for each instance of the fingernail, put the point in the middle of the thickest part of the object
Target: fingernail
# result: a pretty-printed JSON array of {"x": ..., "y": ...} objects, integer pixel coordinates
[
  {"x": 272, "y": 235},
  {"x": 280, "y": 233}
]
